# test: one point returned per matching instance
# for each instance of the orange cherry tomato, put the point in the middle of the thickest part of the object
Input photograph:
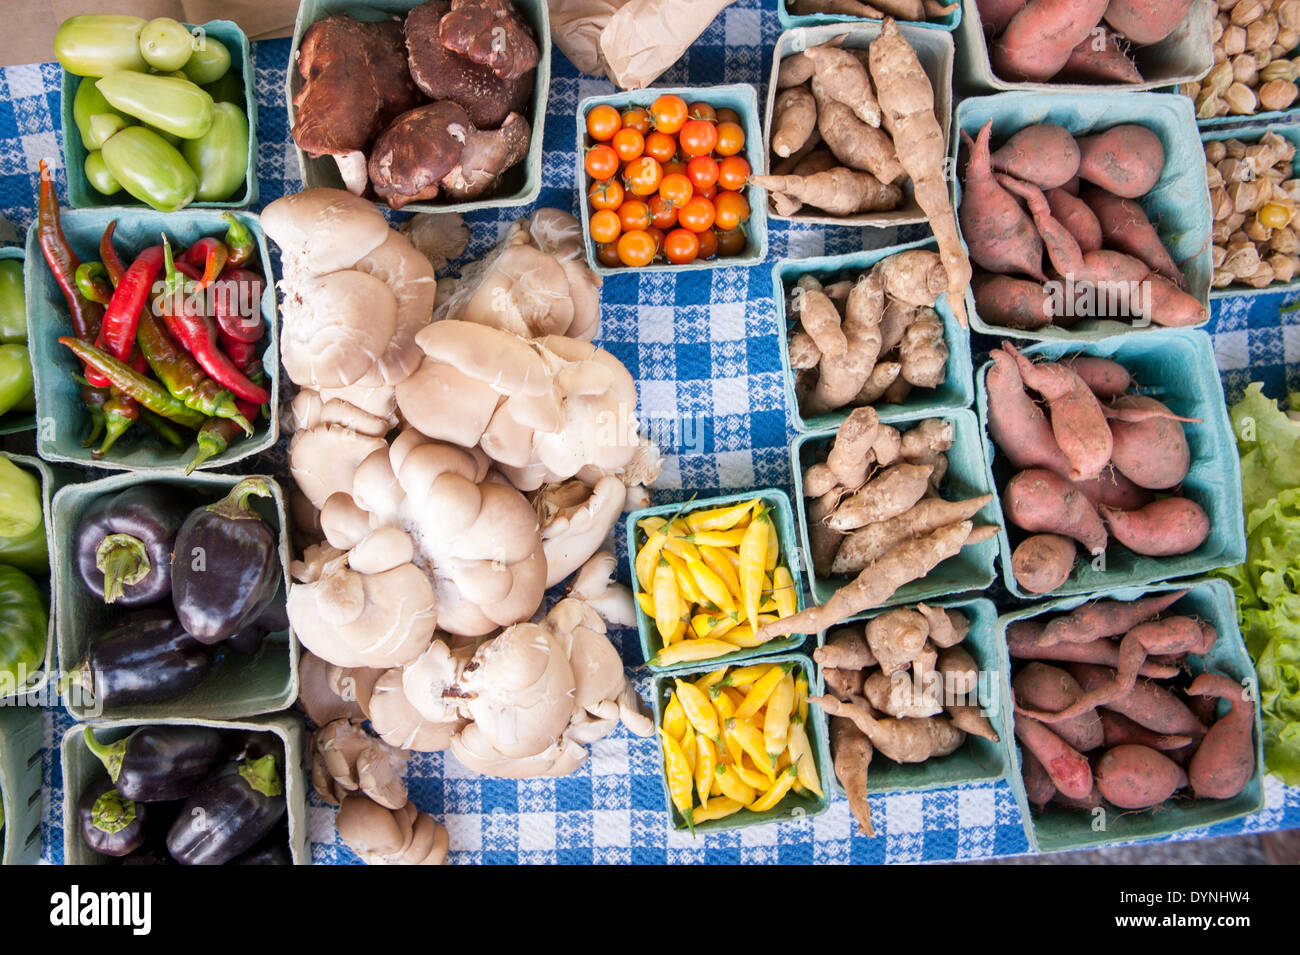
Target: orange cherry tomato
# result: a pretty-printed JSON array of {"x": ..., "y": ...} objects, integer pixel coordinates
[
  {"x": 662, "y": 212},
  {"x": 731, "y": 139},
  {"x": 675, "y": 168},
  {"x": 658, "y": 236},
  {"x": 628, "y": 143},
  {"x": 603, "y": 122},
  {"x": 606, "y": 195},
  {"x": 604, "y": 225},
  {"x": 636, "y": 248},
  {"x": 731, "y": 242},
  {"x": 638, "y": 118},
  {"x": 702, "y": 171},
  {"x": 634, "y": 214},
  {"x": 660, "y": 146},
  {"x": 698, "y": 137},
  {"x": 697, "y": 215},
  {"x": 607, "y": 255},
  {"x": 681, "y": 246},
  {"x": 708, "y": 244},
  {"x": 642, "y": 176},
  {"x": 731, "y": 209},
  {"x": 601, "y": 162},
  {"x": 726, "y": 115},
  {"x": 702, "y": 111},
  {"x": 677, "y": 189},
  {"x": 669, "y": 113},
  {"x": 733, "y": 173},
  {"x": 708, "y": 193}
]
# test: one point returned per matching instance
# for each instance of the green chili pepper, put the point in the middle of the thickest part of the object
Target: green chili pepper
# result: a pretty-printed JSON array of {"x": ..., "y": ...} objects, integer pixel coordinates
[
  {"x": 149, "y": 393},
  {"x": 167, "y": 431},
  {"x": 93, "y": 282},
  {"x": 180, "y": 373}
]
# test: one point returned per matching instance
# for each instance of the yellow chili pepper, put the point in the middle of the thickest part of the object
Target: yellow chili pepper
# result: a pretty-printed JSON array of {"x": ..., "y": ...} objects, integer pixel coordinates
[
  {"x": 751, "y": 741},
  {"x": 683, "y": 548},
  {"x": 674, "y": 717},
  {"x": 776, "y": 793},
  {"x": 667, "y": 604},
  {"x": 685, "y": 582},
  {"x": 713, "y": 587},
  {"x": 689, "y": 749},
  {"x": 651, "y": 524},
  {"x": 753, "y": 555},
  {"x": 801, "y": 698},
  {"x": 706, "y": 757},
  {"x": 717, "y": 562},
  {"x": 724, "y": 704},
  {"x": 787, "y": 600},
  {"x": 720, "y": 518},
  {"x": 647, "y": 558},
  {"x": 698, "y": 709},
  {"x": 719, "y": 808},
  {"x": 752, "y": 777},
  {"x": 728, "y": 539},
  {"x": 776, "y": 717},
  {"x": 761, "y": 690},
  {"x": 744, "y": 636},
  {"x": 773, "y": 546},
  {"x": 691, "y": 651},
  {"x": 715, "y": 625},
  {"x": 784, "y": 760},
  {"x": 710, "y": 679},
  {"x": 731, "y": 785},
  {"x": 745, "y": 677},
  {"x": 647, "y": 603},
  {"x": 802, "y": 755},
  {"x": 680, "y": 781},
  {"x": 735, "y": 754}
]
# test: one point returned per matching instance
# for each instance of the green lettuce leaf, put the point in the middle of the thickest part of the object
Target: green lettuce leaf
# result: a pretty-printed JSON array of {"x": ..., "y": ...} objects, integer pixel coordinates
[{"x": 1269, "y": 444}]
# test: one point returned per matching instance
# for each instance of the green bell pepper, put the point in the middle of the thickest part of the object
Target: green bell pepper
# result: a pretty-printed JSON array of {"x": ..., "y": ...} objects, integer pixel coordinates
[
  {"x": 150, "y": 169},
  {"x": 98, "y": 44},
  {"x": 15, "y": 375},
  {"x": 220, "y": 156},
  {"x": 13, "y": 303},
  {"x": 209, "y": 62},
  {"x": 24, "y": 627},
  {"x": 173, "y": 105}
]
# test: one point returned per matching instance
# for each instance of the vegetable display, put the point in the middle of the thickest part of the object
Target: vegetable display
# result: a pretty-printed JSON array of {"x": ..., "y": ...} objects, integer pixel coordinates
[
  {"x": 709, "y": 578},
  {"x": 900, "y": 685},
  {"x": 869, "y": 339},
  {"x": 1101, "y": 464},
  {"x": 431, "y": 107},
  {"x": 1255, "y": 67},
  {"x": 738, "y": 738},
  {"x": 665, "y": 183},
  {"x": 1252, "y": 197},
  {"x": 147, "y": 112}
]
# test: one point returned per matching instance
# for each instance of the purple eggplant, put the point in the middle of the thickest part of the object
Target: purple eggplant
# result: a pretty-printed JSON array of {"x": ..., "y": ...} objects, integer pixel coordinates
[
  {"x": 160, "y": 763},
  {"x": 111, "y": 824},
  {"x": 123, "y": 545},
  {"x": 226, "y": 565},
  {"x": 147, "y": 658},
  {"x": 274, "y": 619},
  {"x": 231, "y": 811}
]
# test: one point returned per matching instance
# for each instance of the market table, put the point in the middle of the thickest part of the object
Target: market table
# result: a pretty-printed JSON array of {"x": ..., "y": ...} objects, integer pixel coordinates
[{"x": 703, "y": 347}]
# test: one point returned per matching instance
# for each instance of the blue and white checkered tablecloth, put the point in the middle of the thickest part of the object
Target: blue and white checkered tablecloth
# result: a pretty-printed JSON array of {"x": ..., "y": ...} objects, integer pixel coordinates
[{"x": 703, "y": 347}]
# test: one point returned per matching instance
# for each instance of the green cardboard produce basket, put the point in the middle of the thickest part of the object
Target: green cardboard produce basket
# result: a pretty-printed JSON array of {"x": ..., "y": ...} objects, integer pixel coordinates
[
  {"x": 237, "y": 686},
  {"x": 63, "y": 421},
  {"x": 934, "y": 50},
  {"x": 957, "y": 390},
  {"x": 81, "y": 194},
  {"x": 21, "y": 731},
  {"x": 738, "y": 96},
  {"x": 947, "y": 22},
  {"x": 781, "y": 513},
  {"x": 967, "y": 477},
  {"x": 519, "y": 186},
  {"x": 1252, "y": 134},
  {"x": 12, "y": 422},
  {"x": 978, "y": 760},
  {"x": 1178, "y": 205},
  {"x": 793, "y": 806},
  {"x": 50, "y": 481},
  {"x": 1177, "y": 366},
  {"x": 81, "y": 767},
  {"x": 1057, "y": 828},
  {"x": 1181, "y": 57}
]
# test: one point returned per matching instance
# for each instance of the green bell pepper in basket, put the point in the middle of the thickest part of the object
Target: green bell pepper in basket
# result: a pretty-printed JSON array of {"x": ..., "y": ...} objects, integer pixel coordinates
[
  {"x": 22, "y": 522},
  {"x": 24, "y": 624}
]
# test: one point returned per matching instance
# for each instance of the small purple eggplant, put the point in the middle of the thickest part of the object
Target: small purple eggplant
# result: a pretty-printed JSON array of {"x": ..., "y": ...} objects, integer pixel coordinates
[{"x": 111, "y": 824}]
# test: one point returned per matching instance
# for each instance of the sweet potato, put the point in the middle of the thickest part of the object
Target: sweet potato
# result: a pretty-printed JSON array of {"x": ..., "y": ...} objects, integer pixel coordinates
[
  {"x": 1073, "y": 213},
  {"x": 1022, "y": 644},
  {"x": 1038, "y": 40},
  {"x": 1039, "y": 501},
  {"x": 1011, "y": 302},
  {"x": 1126, "y": 228},
  {"x": 1016, "y": 424},
  {"x": 1100, "y": 58},
  {"x": 1153, "y": 453},
  {"x": 1148, "y": 704},
  {"x": 1104, "y": 377},
  {"x": 996, "y": 14},
  {"x": 1078, "y": 420},
  {"x": 1138, "y": 777},
  {"x": 1105, "y": 618},
  {"x": 1043, "y": 154},
  {"x": 1062, "y": 250},
  {"x": 1225, "y": 760},
  {"x": 1126, "y": 159},
  {"x": 1171, "y": 307},
  {"x": 794, "y": 117},
  {"x": 1119, "y": 730},
  {"x": 1147, "y": 21},
  {"x": 1114, "y": 490},
  {"x": 793, "y": 71},
  {"x": 1105, "y": 267},
  {"x": 1067, "y": 767},
  {"x": 1040, "y": 686},
  {"x": 1001, "y": 237},
  {"x": 1043, "y": 562},
  {"x": 1164, "y": 528}
]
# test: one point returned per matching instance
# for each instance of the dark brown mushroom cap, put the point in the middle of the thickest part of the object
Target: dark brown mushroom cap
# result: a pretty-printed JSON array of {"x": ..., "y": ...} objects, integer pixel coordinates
[
  {"x": 411, "y": 157},
  {"x": 490, "y": 32}
]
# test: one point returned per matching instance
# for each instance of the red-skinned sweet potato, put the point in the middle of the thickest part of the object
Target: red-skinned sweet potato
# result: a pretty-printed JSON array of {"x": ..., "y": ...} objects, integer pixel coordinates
[
  {"x": 1038, "y": 40},
  {"x": 1001, "y": 237},
  {"x": 1043, "y": 154},
  {"x": 1041, "y": 686},
  {"x": 1138, "y": 777},
  {"x": 1104, "y": 377},
  {"x": 1041, "y": 502},
  {"x": 1225, "y": 760},
  {"x": 1068, "y": 768},
  {"x": 1114, "y": 490},
  {"x": 1126, "y": 228},
  {"x": 1062, "y": 249},
  {"x": 1152, "y": 453},
  {"x": 1039, "y": 787},
  {"x": 1147, "y": 21},
  {"x": 1148, "y": 704},
  {"x": 1101, "y": 58},
  {"x": 1043, "y": 562},
  {"x": 1119, "y": 730},
  {"x": 1105, "y": 618},
  {"x": 1011, "y": 302},
  {"x": 1164, "y": 528},
  {"x": 1073, "y": 213},
  {"x": 996, "y": 14},
  {"x": 1017, "y": 425},
  {"x": 1078, "y": 421},
  {"x": 1126, "y": 159}
]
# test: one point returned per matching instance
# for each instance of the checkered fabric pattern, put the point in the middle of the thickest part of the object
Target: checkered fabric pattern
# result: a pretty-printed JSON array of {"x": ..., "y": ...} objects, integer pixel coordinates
[{"x": 703, "y": 348}]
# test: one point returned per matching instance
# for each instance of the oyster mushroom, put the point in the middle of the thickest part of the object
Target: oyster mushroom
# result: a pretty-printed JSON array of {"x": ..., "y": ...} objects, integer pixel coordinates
[
  {"x": 345, "y": 759},
  {"x": 318, "y": 696},
  {"x": 576, "y": 520},
  {"x": 383, "y": 836}
]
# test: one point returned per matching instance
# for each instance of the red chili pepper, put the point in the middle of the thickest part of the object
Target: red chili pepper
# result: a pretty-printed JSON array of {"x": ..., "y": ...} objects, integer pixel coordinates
[
  {"x": 108, "y": 255},
  {"x": 117, "y": 334},
  {"x": 198, "y": 335},
  {"x": 63, "y": 261},
  {"x": 240, "y": 245},
  {"x": 237, "y": 305},
  {"x": 208, "y": 255},
  {"x": 240, "y": 353}
]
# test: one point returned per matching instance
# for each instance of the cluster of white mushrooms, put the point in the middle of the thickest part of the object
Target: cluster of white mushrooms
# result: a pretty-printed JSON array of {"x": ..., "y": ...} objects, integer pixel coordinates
[{"x": 458, "y": 447}]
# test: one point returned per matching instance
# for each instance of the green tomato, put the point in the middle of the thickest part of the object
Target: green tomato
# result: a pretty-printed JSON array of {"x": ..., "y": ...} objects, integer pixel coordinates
[
  {"x": 104, "y": 126},
  {"x": 174, "y": 106},
  {"x": 150, "y": 169},
  {"x": 221, "y": 157},
  {"x": 15, "y": 375},
  {"x": 13, "y": 303},
  {"x": 24, "y": 624},
  {"x": 98, "y": 176},
  {"x": 173, "y": 140},
  {"x": 98, "y": 44},
  {"x": 96, "y": 120},
  {"x": 228, "y": 89},
  {"x": 209, "y": 62},
  {"x": 165, "y": 44},
  {"x": 21, "y": 513}
]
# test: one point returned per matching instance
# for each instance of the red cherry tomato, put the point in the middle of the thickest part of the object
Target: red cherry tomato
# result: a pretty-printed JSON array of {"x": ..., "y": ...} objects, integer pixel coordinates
[
  {"x": 731, "y": 209},
  {"x": 702, "y": 171},
  {"x": 702, "y": 111},
  {"x": 628, "y": 144},
  {"x": 726, "y": 115},
  {"x": 677, "y": 189},
  {"x": 669, "y": 113},
  {"x": 681, "y": 246},
  {"x": 634, "y": 214},
  {"x": 607, "y": 255},
  {"x": 697, "y": 215},
  {"x": 660, "y": 146},
  {"x": 730, "y": 243},
  {"x": 638, "y": 118},
  {"x": 698, "y": 137},
  {"x": 662, "y": 212},
  {"x": 601, "y": 162},
  {"x": 733, "y": 173},
  {"x": 708, "y": 244}
]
